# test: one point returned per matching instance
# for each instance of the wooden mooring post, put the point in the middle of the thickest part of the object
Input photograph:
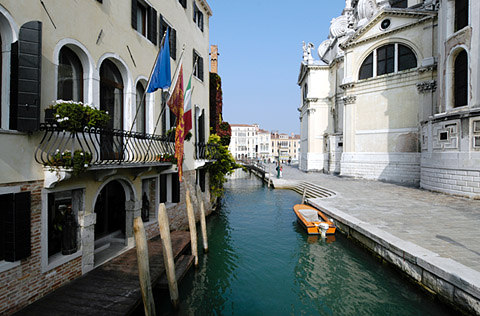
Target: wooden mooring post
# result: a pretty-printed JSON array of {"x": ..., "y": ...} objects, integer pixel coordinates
[
  {"x": 304, "y": 194},
  {"x": 203, "y": 221},
  {"x": 143, "y": 266},
  {"x": 192, "y": 226},
  {"x": 168, "y": 254}
]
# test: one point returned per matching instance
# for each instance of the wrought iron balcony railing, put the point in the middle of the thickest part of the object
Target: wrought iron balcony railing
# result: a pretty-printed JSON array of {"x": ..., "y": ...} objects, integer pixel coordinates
[
  {"x": 93, "y": 147},
  {"x": 205, "y": 151}
]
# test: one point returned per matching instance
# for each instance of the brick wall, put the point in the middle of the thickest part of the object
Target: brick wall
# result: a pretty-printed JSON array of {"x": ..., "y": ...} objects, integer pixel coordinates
[{"x": 24, "y": 284}]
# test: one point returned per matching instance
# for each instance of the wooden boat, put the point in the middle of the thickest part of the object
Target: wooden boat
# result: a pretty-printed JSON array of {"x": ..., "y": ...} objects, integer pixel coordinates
[{"x": 311, "y": 218}]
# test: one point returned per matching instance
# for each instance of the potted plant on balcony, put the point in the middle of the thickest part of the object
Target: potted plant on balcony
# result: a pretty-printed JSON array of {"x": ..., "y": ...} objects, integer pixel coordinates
[
  {"x": 81, "y": 160},
  {"x": 75, "y": 116}
]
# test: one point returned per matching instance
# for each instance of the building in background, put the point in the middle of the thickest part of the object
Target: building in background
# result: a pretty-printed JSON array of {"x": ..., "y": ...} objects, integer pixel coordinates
[
  {"x": 285, "y": 148},
  {"x": 48, "y": 53}
]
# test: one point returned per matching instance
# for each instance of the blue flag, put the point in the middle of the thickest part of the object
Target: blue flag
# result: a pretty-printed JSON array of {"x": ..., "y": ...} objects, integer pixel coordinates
[{"x": 161, "y": 76}]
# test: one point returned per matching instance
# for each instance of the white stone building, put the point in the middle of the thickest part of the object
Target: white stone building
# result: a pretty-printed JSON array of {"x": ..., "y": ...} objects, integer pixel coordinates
[
  {"x": 285, "y": 147},
  {"x": 244, "y": 141},
  {"x": 100, "y": 53},
  {"x": 394, "y": 93}
]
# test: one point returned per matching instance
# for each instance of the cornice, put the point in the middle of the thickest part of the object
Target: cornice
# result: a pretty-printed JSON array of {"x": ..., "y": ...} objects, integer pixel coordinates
[
  {"x": 427, "y": 16},
  {"x": 206, "y": 7}
]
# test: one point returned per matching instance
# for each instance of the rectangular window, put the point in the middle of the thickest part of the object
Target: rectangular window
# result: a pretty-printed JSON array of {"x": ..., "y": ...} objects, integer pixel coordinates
[
  {"x": 15, "y": 226},
  {"x": 476, "y": 134},
  {"x": 144, "y": 20},
  {"x": 399, "y": 4},
  {"x": 197, "y": 65},
  {"x": 58, "y": 203},
  {"x": 197, "y": 16},
  {"x": 172, "y": 40},
  {"x": 461, "y": 14}
]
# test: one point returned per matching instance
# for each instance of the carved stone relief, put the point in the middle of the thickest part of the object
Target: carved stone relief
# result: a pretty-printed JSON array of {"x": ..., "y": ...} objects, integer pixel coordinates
[{"x": 445, "y": 135}]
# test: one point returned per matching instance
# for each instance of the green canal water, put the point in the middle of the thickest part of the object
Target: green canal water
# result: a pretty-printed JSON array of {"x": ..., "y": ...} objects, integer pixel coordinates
[{"x": 261, "y": 262}]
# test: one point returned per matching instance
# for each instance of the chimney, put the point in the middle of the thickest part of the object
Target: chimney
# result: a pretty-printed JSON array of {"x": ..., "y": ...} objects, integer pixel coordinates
[{"x": 214, "y": 58}]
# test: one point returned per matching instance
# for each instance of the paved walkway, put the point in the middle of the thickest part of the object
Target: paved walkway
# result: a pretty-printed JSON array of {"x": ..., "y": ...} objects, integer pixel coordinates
[{"x": 445, "y": 224}]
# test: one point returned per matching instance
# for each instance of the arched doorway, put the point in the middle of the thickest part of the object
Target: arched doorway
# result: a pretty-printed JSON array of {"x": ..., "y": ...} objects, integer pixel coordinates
[
  {"x": 110, "y": 210},
  {"x": 110, "y": 239}
]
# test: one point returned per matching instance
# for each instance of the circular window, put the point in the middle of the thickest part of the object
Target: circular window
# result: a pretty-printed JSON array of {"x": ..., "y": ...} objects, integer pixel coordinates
[{"x": 385, "y": 24}]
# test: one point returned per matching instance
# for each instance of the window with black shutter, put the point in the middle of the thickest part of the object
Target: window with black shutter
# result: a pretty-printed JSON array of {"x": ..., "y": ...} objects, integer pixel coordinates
[
  {"x": 197, "y": 16},
  {"x": 144, "y": 20},
  {"x": 25, "y": 74},
  {"x": 183, "y": 3},
  {"x": 15, "y": 226},
  {"x": 175, "y": 188},
  {"x": 197, "y": 65},
  {"x": 201, "y": 179},
  {"x": 163, "y": 188},
  {"x": 172, "y": 37},
  {"x": 461, "y": 14},
  {"x": 461, "y": 79}
]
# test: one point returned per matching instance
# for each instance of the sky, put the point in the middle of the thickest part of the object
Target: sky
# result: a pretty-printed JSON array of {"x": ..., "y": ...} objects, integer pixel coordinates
[{"x": 260, "y": 51}]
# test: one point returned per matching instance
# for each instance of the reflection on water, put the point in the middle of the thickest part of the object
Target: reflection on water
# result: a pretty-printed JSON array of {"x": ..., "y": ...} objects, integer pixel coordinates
[{"x": 261, "y": 262}]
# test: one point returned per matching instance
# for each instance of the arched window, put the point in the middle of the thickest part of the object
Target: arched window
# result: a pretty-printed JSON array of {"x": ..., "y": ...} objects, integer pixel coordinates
[
  {"x": 111, "y": 93},
  {"x": 460, "y": 81},
  {"x": 141, "y": 110},
  {"x": 461, "y": 14},
  {"x": 70, "y": 76},
  {"x": 385, "y": 59}
]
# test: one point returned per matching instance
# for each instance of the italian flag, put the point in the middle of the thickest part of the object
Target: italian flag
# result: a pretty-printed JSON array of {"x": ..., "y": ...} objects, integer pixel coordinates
[{"x": 187, "y": 114}]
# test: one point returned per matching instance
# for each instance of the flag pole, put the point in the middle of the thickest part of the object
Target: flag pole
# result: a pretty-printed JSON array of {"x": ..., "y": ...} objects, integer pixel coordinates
[
  {"x": 145, "y": 91},
  {"x": 164, "y": 102}
]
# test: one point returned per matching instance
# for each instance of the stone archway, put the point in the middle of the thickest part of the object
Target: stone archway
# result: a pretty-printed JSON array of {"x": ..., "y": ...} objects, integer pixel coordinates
[
  {"x": 113, "y": 210},
  {"x": 110, "y": 210}
]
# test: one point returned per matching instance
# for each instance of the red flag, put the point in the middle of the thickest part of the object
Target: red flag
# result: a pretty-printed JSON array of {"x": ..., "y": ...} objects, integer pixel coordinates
[{"x": 175, "y": 102}]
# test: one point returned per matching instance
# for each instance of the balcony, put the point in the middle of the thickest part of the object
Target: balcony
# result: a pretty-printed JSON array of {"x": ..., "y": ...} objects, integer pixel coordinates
[
  {"x": 95, "y": 148},
  {"x": 205, "y": 153}
]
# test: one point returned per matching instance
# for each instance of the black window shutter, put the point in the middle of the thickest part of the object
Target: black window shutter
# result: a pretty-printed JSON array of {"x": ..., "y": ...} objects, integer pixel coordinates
[
  {"x": 16, "y": 215},
  {"x": 162, "y": 27},
  {"x": 194, "y": 12},
  {"x": 152, "y": 25},
  {"x": 175, "y": 188},
  {"x": 163, "y": 188},
  {"x": 200, "y": 68},
  {"x": 200, "y": 18},
  {"x": 25, "y": 88},
  {"x": 134, "y": 14},
  {"x": 173, "y": 43}
]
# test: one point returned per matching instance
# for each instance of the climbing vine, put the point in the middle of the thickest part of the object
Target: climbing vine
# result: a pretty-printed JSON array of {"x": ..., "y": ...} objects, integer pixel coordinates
[{"x": 224, "y": 164}]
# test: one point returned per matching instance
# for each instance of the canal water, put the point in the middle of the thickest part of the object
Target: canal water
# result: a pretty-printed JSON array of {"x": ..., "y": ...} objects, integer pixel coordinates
[{"x": 261, "y": 262}]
